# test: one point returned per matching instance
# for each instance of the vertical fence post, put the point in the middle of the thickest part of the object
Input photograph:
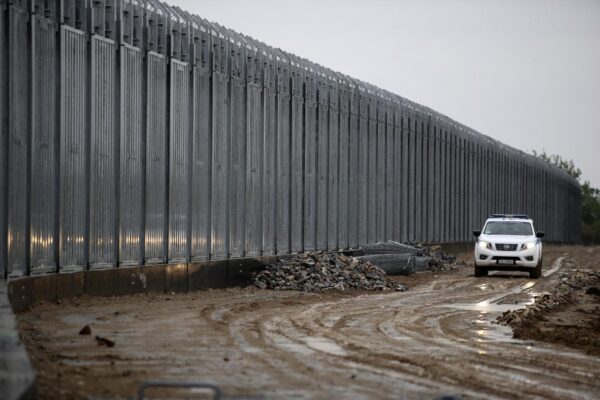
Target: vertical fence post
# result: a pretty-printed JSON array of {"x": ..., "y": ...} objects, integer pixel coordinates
[
  {"x": 3, "y": 137},
  {"x": 270, "y": 152},
  {"x": 282, "y": 205}
]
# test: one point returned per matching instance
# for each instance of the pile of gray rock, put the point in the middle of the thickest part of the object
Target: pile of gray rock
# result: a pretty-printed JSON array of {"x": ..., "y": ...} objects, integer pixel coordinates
[
  {"x": 406, "y": 258},
  {"x": 321, "y": 271}
]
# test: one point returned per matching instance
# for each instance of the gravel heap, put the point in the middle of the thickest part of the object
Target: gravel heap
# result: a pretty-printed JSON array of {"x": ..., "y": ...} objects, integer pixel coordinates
[
  {"x": 577, "y": 280},
  {"x": 320, "y": 271},
  {"x": 437, "y": 259}
]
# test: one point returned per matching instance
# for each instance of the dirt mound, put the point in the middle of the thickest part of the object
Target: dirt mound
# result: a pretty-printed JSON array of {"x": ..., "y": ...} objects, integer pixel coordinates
[
  {"x": 324, "y": 271},
  {"x": 568, "y": 315}
]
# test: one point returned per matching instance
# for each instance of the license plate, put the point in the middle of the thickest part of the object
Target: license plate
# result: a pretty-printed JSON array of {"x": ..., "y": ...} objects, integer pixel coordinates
[{"x": 509, "y": 262}]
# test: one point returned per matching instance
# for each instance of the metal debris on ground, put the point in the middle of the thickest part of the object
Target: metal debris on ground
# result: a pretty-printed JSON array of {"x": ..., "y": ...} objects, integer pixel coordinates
[
  {"x": 321, "y": 271},
  {"x": 406, "y": 258}
]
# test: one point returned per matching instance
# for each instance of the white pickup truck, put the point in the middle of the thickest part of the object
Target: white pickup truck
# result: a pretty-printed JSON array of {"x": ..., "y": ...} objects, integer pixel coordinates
[{"x": 508, "y": 243}]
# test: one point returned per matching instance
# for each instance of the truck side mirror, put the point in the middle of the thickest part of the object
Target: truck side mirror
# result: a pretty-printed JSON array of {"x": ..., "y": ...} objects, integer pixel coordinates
[
  {"x": 477, "y": 233},
  {"x": 540, "y": 234}
]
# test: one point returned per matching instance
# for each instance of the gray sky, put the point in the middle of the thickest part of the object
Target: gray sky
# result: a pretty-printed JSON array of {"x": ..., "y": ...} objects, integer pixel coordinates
[{"x": 525, "y": 72}]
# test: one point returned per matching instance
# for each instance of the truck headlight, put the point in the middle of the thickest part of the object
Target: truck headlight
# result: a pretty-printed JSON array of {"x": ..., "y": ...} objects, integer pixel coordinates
[
  {"x": 528, "y": 245},
  {"x": 485, "y": 245}
]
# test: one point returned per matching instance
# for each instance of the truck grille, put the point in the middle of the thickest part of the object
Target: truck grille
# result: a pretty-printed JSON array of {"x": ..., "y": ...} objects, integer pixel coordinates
[{"x": 506, "y": 247}]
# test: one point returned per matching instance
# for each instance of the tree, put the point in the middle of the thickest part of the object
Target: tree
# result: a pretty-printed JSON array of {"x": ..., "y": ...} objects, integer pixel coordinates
[
  {"x": 590, "y": 197},
  {"x": 590, "y": 214}
]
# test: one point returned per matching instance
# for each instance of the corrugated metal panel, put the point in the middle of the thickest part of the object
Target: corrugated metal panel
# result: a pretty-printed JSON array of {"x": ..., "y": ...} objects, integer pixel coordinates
[
  {"x": 3, "y": 139},
  {"x": 405, "y": 202},
  {"x": 397, "y": 204},
  {"x": 453, "y": 183},
  {"x": 380, "y": 173},
  {"x": 344, "y": 194},
  {"x": 155, "y": 248},
  {"x": 430, "y": 182},
  {"x": 458, "y": 214},
  {"x": 310, "y": 162},
  {"x": 363, "y": 168},
  {"x": 18, "y": 134},
  {"x": 220, "y": 167},
  {"x": 412, "y": 191},
  {"x": 254, "y": 171},
  {"x": 437, "y": 191},
  {"x": 201, "y": 164},
  {"x": 450, "y": 187},
  {"x": 270, "y": 151},
  {"x": 103, "y": 162},
  {"x": 478, "y": 186},
  {"x": 179, "y": 161},
  {"x": 73, "y": 151},
  {"x": 372, "y": 172},
  {"x": 297, "y": 154},
  {"x": 446, "y": 187},
  {"x": 463, "y": 191},
  {"x": 322, "y": 163},
  {"x": 44, "y": 141},
  {"x": 473, "y": 221},
  {"x": 333, "y": 173},
  {"x": 469, "y": 205},
  {"x": 237, "y": 192},
  {"x": 353, "y": 159},
  {"x": 282, "y": 206},
  {"x": 459, "y": 187},
  {"x": 390, "y": 174},
  {"x": 419, "y": 169},
  {"x": 131, "y": 178}
]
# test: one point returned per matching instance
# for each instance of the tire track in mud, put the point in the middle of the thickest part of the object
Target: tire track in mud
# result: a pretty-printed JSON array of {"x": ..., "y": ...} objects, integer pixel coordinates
[{"x": 432, "y": 340}]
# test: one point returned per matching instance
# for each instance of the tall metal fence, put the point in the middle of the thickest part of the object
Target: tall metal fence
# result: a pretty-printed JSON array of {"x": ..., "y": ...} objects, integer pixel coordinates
[{"x": 134, "y": 133}]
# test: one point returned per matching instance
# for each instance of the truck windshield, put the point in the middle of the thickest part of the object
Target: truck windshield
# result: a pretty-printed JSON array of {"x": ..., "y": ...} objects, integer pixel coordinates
[{"x": 508, "y": 228}]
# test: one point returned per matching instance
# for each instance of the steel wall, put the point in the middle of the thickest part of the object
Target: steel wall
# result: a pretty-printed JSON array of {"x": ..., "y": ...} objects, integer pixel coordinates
[
  {"x": 156, "y": 158},
  {"x": 322, "y": 149},
  {"x": 254, "y": 155},
  {"x": 269, "y": 196},
  {"x": 237, "y": 170},
  {"x": 3, "y": 137},
  {"x": 44, "y": 92},
  {"x": 19, "y": 84},
  {"x": 310, "y": 162},
  {"x": 132, "y": 146},
  {"x": 201, "y": 162},
  {"x": 137, "y": 133},
  {"x": 296, "y": 145},
  {"x": 344, "y": 167},
  {"x": 354, "y": 164},
  {"x": 74, "y": 181}
]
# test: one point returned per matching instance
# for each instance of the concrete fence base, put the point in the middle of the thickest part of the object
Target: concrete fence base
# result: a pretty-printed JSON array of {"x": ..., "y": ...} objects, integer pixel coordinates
[{"x": 184, "y": 277}]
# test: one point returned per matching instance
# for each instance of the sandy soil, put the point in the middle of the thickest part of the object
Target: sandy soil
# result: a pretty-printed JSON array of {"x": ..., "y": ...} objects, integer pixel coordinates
[{"x": 438, "y": 338}]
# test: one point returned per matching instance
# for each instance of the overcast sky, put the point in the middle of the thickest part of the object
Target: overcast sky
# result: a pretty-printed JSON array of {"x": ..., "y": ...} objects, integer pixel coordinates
[{"x": 525, "y": 72}]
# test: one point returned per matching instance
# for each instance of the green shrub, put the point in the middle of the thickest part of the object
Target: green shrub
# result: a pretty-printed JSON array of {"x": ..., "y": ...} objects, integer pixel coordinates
[{"x": 590, "y": 198}]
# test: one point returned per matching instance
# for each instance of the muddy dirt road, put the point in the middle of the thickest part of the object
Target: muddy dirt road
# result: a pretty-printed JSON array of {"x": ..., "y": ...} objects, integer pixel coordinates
[{"x": 435, "y": 339}]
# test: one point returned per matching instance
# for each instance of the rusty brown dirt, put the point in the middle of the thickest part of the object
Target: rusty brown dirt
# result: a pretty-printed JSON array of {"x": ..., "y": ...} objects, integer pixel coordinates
[{"x": 436, "y": 339}]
